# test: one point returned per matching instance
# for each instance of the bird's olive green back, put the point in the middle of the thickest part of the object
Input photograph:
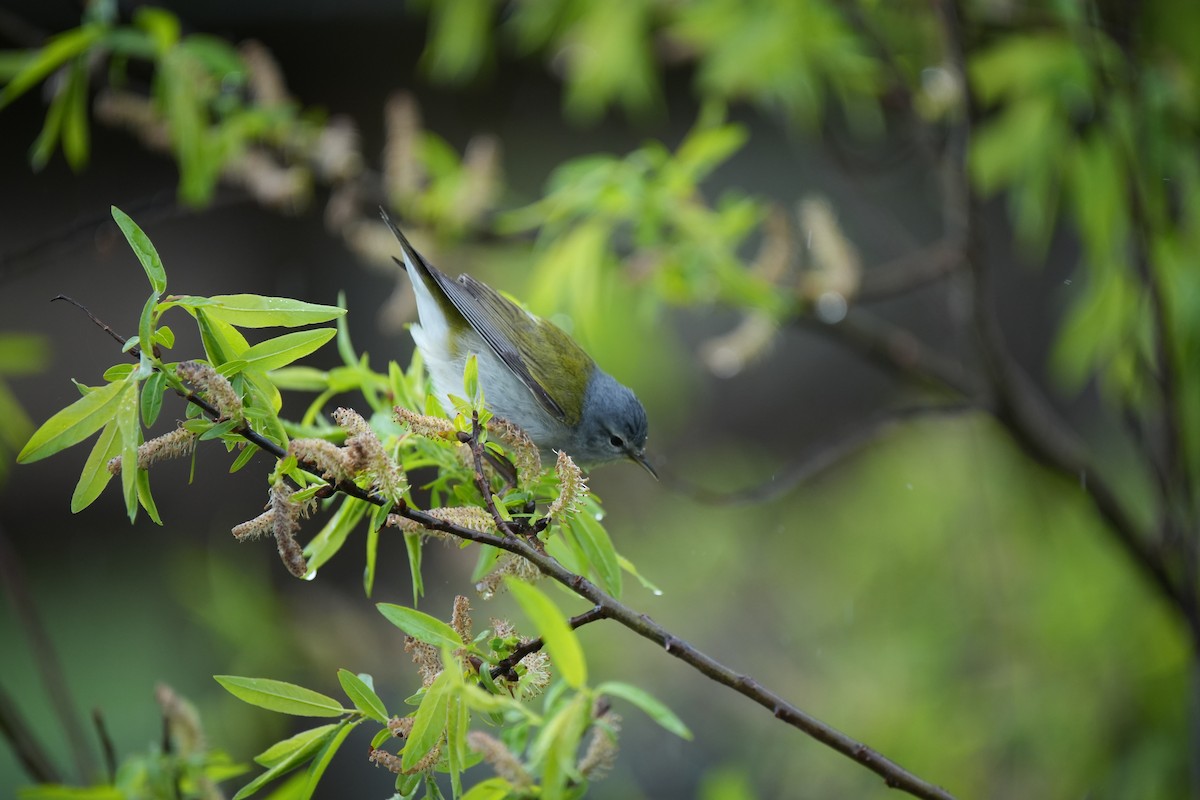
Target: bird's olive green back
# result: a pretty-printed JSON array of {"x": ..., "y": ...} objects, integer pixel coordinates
[{"x": 548, "y": 361}]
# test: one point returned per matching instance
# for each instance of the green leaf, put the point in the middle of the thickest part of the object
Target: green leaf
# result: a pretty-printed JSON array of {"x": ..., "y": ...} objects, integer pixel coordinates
[
  {"x": 74, "y": 423},
  {"x": 301, "y": 746},
  {"x": 490, "y": 789},
  {"x": 325, "y": 544},
  {"x": 458, "y": 721},
  {"x": 471, "y": 382},
  {"x": 319, "y": 764},
  {"x": 598, "y": 548},
  {"x": 257, "y": 311},
  {"x": 557, "y": 743},
  {"x": 152, "y": 397},
  {"x": 632, "y": 569},
  {"x": 420, "y": 625},
  {"x": 222, "y": 342},
  {"x": 131, "y": 437},
  {"x": 300, "y": 379},
  {"x": 143, "y": 249},
  {"x": 363, "y": 696},
  {"x": 57, "y": 50},
  {"x": 371, "y": 558},
  {"x": 284, "y": 698},
  {"x": 653, "y": 707},
  {"x": 412, "y": 545},
  {"x": 283, "y": 350},
  {"x": 306, "y": 741},
  {"x": 561, "y": 641},
  {"x": 145, "y": 498},
  {"x": 429, "y": 721},
  {"x": 95, "y": 475}
]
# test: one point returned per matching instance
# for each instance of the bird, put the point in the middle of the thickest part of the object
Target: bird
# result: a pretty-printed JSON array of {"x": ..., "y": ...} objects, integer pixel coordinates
[{"x": 532, "y": 373}]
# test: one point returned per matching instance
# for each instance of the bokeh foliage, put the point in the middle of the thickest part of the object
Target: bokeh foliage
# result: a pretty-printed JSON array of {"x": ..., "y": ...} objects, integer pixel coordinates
[{"x": 1085, "y": 124}]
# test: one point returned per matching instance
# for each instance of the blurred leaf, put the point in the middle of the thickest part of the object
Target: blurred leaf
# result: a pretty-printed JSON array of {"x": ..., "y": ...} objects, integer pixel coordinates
[
  {"x": 285, "y": 698},
  {"x": 610, "y": 59},
  {"x": 459, "y": 39},
  {"x": 57, "y": 792},
  {"x": 23, "y": 353},
  {"x": 162, "y": 25},
  {"x": 420, "y": 625},
  {"x": 551, "y": 623},
  {"x": 75, "y": 136},
  {"x": 489, "y": 789},
  {"x": 787, "y": 56},
  {"x": 56, "y": 52}
]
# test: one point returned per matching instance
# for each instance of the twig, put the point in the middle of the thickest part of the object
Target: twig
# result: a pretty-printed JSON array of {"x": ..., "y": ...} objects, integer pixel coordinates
[
  {"x": 908, "y": 272},
  {"x": 894, "y": 348},
  {"x": 504, "y": 666},
  {"x": 100, "y": 323}
]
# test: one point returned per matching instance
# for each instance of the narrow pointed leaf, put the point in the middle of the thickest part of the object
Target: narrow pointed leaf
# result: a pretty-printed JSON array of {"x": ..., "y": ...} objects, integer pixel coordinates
[
  {"x": 257, "y": 311},
  {"x": 363, "y": 696},
  {"x": 283, "y": 350},
  {"x": 74, "y": 423},
  {"x": 95, "y": 475},
  {"x": 653, "y": 707},
  {"x": 308, "y": 741},
  {"x": 420, "y": 625},
  {"x": 319, "y": 764},
  {"x": 429, "y": 722},
  {"x": 143, "y": 248},
  {"x": 285, "y": 698}
]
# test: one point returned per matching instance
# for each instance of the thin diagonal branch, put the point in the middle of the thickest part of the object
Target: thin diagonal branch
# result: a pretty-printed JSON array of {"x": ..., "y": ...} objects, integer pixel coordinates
[{"x": 609, "y": 607}]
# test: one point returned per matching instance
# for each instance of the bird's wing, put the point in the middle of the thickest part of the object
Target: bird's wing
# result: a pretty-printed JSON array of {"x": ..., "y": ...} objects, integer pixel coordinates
[{"x": 501, "y": 322}]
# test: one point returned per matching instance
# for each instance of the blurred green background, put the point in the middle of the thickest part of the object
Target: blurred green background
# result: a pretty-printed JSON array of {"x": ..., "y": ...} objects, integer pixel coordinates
[{"x": 937, "y": 594}]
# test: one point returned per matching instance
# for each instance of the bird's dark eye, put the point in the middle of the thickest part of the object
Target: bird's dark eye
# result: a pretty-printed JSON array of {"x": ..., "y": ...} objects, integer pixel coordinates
[{"x": 615, "y": 441}]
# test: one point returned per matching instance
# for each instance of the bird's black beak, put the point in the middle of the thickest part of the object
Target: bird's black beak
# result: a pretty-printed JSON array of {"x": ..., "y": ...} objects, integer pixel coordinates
[{"x": 639, "y": 456}]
